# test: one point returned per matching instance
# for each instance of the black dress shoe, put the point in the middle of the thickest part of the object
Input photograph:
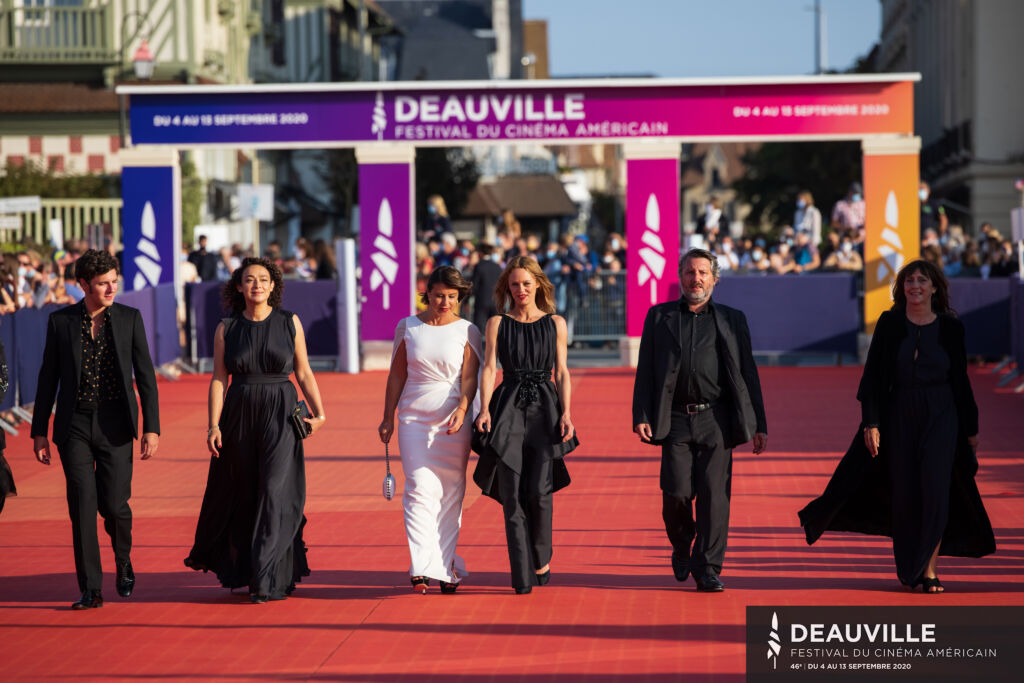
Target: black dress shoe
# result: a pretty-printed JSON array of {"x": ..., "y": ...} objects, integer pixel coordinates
[
  {"x": 709, "y": 583},
  {"x": 125, "y": 580},
  {"x": 89, "y": 600},
  {"x": 680, "y": 565},
  {"x": 523, "y": 590},
  {"x": 543, "y": 579}
]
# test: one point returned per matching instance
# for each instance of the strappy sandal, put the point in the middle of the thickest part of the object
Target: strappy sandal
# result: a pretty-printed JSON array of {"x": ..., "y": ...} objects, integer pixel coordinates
[
  {"x": 420, "y": 583},
  {"x": 448, "y": 588},
  {"x": 927, "y": 585}
]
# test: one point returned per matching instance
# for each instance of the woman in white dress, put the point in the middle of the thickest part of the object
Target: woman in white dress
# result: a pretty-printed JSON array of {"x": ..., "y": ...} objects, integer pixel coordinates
[{"x": 432, "y": 383}]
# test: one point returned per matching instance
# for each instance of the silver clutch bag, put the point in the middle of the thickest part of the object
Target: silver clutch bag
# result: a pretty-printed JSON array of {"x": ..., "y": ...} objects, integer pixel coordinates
[{"x": 389, "y": 480}]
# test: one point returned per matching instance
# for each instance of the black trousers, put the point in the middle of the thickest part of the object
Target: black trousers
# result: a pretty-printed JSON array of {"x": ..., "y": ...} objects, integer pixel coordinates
[
  {"x": 97, "y": 461},
  {"x": 527, "y": 499},
  {"x": 696, "y": 464}
]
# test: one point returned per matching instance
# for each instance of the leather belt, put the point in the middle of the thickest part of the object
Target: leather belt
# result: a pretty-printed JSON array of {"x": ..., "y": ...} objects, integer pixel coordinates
[{"x": 694, "y": 408}]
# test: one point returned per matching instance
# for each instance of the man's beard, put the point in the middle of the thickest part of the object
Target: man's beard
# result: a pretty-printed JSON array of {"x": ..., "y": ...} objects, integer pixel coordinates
[{"x": 696, "y": 296}]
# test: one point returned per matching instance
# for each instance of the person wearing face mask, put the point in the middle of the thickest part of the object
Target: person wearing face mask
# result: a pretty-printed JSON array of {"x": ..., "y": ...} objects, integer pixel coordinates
[
  {"x": 712, "y": 223},
  {"x": 845, "y": 257},
  {"x": 483, "y": 281},
  {"x": 849, "y": 211},
  {"x": 727, "y": 259},
  {"x": 437, "y": 221},
  {"x": 933, "y": 214},
  {"x": 617, "y": 245},
  {"x": 808, "y": 218}
]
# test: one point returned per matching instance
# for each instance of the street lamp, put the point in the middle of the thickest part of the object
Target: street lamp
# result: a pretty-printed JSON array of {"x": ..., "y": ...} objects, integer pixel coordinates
[{"x": 142, "y": 60}]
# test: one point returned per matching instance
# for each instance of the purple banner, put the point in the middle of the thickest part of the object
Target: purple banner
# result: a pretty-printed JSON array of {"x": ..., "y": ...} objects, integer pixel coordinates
[
  {"x": 452, "y": 113},
  {"x": 386, "y": 253},
  {"x": 652, "y": 233}
]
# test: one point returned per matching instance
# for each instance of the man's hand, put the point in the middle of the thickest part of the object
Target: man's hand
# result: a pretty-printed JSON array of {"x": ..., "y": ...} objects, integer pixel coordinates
[
  {"x": 150, "y": 442},
  {"x": 760, "y": 442},
  {"x": 41, "y": 447},
  {"x": 872, "y": 440},
  {"x": 644, "y": 430}
]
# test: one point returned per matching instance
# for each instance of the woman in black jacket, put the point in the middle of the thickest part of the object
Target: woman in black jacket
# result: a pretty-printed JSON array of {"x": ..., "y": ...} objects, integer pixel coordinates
[{"x": 909, "y": 474}]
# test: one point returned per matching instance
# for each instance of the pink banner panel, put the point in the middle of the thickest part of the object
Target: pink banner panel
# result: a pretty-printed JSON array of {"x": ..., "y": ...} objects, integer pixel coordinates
[{"x": 652, "y": 234}]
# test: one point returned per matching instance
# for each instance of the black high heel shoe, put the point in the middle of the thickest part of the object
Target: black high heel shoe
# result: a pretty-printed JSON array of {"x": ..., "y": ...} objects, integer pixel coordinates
[
  {"x": 933, "y": 583},
  {"x": 542, "y": 579},
  {"x": 420, "y": 583},
  {"x": 448, "y": 588}
]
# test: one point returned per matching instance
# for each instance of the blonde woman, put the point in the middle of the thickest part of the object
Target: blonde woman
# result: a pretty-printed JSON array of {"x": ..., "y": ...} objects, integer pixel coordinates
[{"x": 524, "y": 428}]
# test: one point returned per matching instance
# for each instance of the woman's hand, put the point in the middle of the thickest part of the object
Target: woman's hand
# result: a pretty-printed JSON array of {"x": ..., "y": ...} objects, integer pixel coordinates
[
  {"x": 565, "y": 425},
  {"x": 213, "y": 441},
  {"x": 483, "y": 421},
  {"x": 315, "y": 423},
  {"x": 386, "y": 429},
  {"x": 871, "y": 440},
  {"x": 456, "y": 420},
  {"x": 972, "y": 441}
]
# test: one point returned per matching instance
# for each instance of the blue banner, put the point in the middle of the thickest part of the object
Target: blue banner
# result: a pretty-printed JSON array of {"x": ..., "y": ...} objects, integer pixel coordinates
[{"x": 148, "y": 224}]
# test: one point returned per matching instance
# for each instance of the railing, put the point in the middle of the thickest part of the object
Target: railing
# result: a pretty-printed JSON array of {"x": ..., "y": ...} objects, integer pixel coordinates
[
  {"x": 76, "y": 216},
  {"x": 594, "y": 305},
  {"x": 50, "y": 35}
]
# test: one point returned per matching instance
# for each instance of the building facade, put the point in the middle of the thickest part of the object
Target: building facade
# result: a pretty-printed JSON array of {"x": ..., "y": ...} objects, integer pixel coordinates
[{"x": 967, "y": 107}]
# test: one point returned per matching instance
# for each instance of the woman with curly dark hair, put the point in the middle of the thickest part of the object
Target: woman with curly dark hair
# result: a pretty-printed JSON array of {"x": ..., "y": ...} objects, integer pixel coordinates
[
  {"x": 250, "y": 525},
  {"x": 909, "y": 472}
]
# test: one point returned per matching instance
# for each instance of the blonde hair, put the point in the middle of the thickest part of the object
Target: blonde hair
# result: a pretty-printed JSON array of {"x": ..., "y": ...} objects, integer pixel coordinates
[{"x": 545, "y": 290}]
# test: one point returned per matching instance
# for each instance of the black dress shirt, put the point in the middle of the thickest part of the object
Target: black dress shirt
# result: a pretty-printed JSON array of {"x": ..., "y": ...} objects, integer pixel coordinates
[
  {"x": 99, "y": 381},
  {"x": 699, "y": 368}
]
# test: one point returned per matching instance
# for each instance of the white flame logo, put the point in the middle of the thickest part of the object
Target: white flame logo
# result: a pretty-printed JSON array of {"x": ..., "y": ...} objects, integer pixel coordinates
[
  {"x": 774, "y": 646},
  {"x": 148, "y": 260},
  {"x": 891, "y": 249},
  {"x": 385, "y": 258},
  {"x": 652, "y": 255},
  {"x": 380, "y": 117}
]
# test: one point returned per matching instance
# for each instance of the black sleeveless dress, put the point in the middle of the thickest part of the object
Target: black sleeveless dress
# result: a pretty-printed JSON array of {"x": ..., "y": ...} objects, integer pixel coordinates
[
  {"x": 250, "y": 525},
  {"x": 525, "y": 410}
]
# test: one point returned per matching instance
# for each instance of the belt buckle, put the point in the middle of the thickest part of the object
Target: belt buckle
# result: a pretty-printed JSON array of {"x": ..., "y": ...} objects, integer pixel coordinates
[{"x": 692, "y": 408}]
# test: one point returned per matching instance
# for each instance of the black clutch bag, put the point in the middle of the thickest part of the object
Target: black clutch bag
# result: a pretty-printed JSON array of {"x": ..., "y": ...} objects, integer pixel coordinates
[{"x": 299, "y": 414}]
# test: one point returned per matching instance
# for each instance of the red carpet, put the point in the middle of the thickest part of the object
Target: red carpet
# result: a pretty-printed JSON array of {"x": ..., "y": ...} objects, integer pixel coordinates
[{"x": 612, "y": 610}]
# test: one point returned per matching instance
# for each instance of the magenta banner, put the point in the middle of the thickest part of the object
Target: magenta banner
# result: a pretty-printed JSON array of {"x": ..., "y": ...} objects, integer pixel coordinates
[
  {"x": 386, "y": 254},
  {"x": 652, "y": 234},
  {"x": 452, "y": 113}
]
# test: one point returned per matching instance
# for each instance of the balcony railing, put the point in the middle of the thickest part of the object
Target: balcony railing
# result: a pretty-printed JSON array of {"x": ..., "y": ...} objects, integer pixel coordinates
[{"x": 52, "y": 35}]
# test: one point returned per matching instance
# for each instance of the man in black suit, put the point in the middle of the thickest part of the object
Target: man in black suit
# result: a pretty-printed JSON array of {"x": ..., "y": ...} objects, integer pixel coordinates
[
  {"x": 697, "y": 395},
  {"x": 92, "y": 349},
  {"x": 204, "y": 261},
  {"x": 486, "y": 274}
]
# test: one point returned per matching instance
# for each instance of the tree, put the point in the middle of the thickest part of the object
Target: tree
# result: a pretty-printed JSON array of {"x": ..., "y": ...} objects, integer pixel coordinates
[
  {"x": 449, "y": 172},
  {"x": 31, "y": 179},
  {"x": 777, "y": 171},
  {"x": 191, "y": 198}
]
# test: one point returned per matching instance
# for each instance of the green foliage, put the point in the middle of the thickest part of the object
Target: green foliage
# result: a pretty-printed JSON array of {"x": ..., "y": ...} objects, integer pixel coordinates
[
  {"x": 777, "y": 171},
  {"x": 449, "y": 172},
  {"x": 31, "y": 178},
  {"x": 191, "y": 198}
]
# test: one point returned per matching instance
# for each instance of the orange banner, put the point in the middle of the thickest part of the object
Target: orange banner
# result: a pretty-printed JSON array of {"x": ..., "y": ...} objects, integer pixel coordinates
[{"x": 892, "y": 224}]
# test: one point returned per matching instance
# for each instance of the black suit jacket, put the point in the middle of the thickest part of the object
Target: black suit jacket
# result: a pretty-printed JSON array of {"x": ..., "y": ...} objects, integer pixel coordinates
[
  {"x": 658, "y": 369},
  {"x": 484, "y": 279},
  {"x": 62, "y": 367}
]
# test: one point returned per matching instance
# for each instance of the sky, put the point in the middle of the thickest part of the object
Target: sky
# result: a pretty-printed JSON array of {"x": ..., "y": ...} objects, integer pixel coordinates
[{"x": 689, "y": 38}]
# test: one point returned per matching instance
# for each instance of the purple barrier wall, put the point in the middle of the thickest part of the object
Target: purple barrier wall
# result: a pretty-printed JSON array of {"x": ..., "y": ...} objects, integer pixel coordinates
[
  {"x": 29, "y": 335},
  {"x": 984, "y": 308},
  {"x": 1017, "y": 319},
  {"x": 168, "y": 344},
  {"x": 787, "y": 313},
  {"x": 143, "y": 300},
  {"x": 314, "y": 302}
]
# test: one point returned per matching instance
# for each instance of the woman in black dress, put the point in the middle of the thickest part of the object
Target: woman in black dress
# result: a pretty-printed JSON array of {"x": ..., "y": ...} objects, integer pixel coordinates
[
  {"x": 919, "y": 435},
  {"x": 7, "y": 487},
  {"x": 250, "y": 525},
  {"x": 525, "y": 429}
]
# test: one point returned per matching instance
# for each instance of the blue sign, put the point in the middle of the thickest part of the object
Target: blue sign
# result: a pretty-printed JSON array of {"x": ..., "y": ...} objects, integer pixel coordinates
[{"x": 147, "y": 219}]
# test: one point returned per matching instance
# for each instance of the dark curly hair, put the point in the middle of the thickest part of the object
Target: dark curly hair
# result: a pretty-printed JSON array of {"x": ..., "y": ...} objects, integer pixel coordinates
[
  {"x": 93, "y": 263},
  {"x": 233, "y": 300}
]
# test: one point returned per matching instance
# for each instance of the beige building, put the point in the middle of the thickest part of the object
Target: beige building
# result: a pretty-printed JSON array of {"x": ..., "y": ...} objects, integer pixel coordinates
[{"x": 968, "y": 105}]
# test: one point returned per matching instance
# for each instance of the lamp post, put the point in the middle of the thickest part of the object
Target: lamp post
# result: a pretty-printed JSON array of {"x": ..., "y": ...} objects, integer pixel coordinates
[{"x": 142, "y": 61}]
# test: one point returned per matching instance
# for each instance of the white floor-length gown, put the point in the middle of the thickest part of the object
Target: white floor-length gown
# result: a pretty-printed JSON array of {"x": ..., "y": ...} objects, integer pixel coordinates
[{"x": 434, "y": 462}]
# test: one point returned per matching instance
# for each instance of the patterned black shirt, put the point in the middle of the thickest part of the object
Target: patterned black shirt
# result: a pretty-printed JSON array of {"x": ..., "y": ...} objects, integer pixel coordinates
[{"x": 99, "y": 381}]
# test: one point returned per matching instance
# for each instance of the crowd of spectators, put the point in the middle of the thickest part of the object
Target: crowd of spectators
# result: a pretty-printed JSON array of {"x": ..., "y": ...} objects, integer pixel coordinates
[
  {"x": 307, "y": 260},
  {"x": 30, "y": 279}
]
